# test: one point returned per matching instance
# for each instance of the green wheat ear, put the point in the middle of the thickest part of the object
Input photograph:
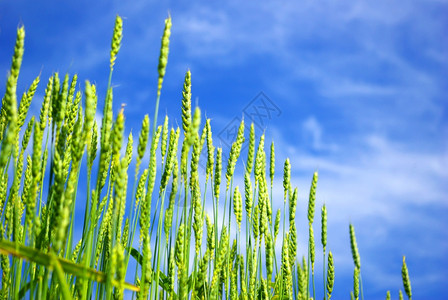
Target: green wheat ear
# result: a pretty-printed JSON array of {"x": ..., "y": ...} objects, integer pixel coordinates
[
  {"x": 312, "y": 198},
  {"x": 116, "y": 40},
  {"x": 163, "y": 58},
  {"x": 218, "y": 170},
  {"x": 26, "y": 101},
  {"x": 324, "y": 227},
  {"x": 356, "y": 283},
  {"x": 9, "y": 102},
  {"x": 330, "y": 275},
  {"x": 186, "y": 102},
  {"x": 406, "y": 280},
  {"x": 238, "y": 207},
  {"x": 286, "y": 178},
  {"x": 354, "y": 246}
]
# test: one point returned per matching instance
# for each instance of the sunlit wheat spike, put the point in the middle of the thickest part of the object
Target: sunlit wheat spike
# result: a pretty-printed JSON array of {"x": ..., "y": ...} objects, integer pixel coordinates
[
  {"x": 18, "y": 52},
  {"x": 312, "y": 198},
  {"x": 30, "y": 205},
  {"x": 251, "y": 150},
  {"x": 27, "y": 134},
  {"x": 120, "y": 271},
  {"x": 71, "y": 93},
  {"x": 388, "y": 295},
  {"x": 324, "y": 227},
  {"x": 54, "y": 102},
  {"x": 292, "y": 244},
  {"x": 356, "y": 283},
  {"x": 164, "y": 141},
  {"x": 186, "y": 102},
  {"x": 330, "y": 275},
  {"x": 210, "y": 151},
  {"x": 172, "y": 199},
  {"x": 248, "y": 194},
  {"x": 120, "y": 192},
  {"x": 259, "y": 160},
  {"x": 301, "y": 282},
  {"x": 25, "y": 102},
  {"x": 139, "y": 194},
  {"x": 37, "y": 150},
  {"x": 90, "y": 99},
  {"x": 304, "y": 265},
  {"x": 232, "y": 255},
  {"x": 286, "y": 267},
  {"x": 354, "y": 247},
  {"x": 234, "y": 154},
  {"x": 262, "y": 202},
  {"x": 277, "y": 224},
  {"x": 76, "y": 251},
  {"x": 195, "y": 156},
  {"x": 255, "y": 218},
  {"x": 171, "y": 273},
  {"x": 210, "y": 236},
  {"x": 198, "y": 221},
  {"x": 146, "y": 268},
  {"x": 93, "y": 144},
  {"x": 238, "y": 207},
  {"x": 406, "y": 280},
  {"x": 219, "y": 265},
  {"x": 201, "y": 276},
  {"x": 269, "y": 256},
  {"x": 71, "y": 114},
  {"x": 194, "y": 127},
  {"x": 243, "y": 282},
  {"x": 266, "y": 200},
  {"x": 217, "y": 177},
  {"x": 264, "y": 289},
  {"x": 400, "y": 295},
  {"x": 61, "y": 102},
  {"x": 163, "y": 57},
  {"x": 180, "y": 259},
  {"x": 171, "y": 157},
  {"x": 9, "y": 102},
  {"x": 152, "y": 162},
  {"x": 106, "y": 125},
  {"x": 312, "y": 247},
  {"x": 146, "y": 201},
  {"x": 253, "y": 274},
  {"x": 286, "y": 178},
  {"x": 293, "y": 206},
  {"x": 233, "y": 282},
  {"x": 116, "y": 40},
  {"x": 78, "y": 140},
  {"x": 3, "y": 189},
  {"x": 45, "y": 105},
  {"x": 117, "y": 137}
]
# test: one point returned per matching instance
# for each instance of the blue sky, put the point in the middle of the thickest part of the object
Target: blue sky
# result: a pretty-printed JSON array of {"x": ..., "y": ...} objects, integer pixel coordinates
[{"x": 360, "y": 88}]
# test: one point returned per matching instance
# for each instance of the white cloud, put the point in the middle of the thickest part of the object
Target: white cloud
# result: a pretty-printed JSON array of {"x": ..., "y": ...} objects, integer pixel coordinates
[{"x": 313, "y": 132}]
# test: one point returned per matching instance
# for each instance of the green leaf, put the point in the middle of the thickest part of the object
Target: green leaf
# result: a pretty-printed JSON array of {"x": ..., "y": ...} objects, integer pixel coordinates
[{"x": 60, "y": 264}]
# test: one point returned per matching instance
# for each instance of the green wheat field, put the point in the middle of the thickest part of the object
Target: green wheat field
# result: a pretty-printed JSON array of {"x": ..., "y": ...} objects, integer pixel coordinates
[{"x": 167, "y": 246}]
